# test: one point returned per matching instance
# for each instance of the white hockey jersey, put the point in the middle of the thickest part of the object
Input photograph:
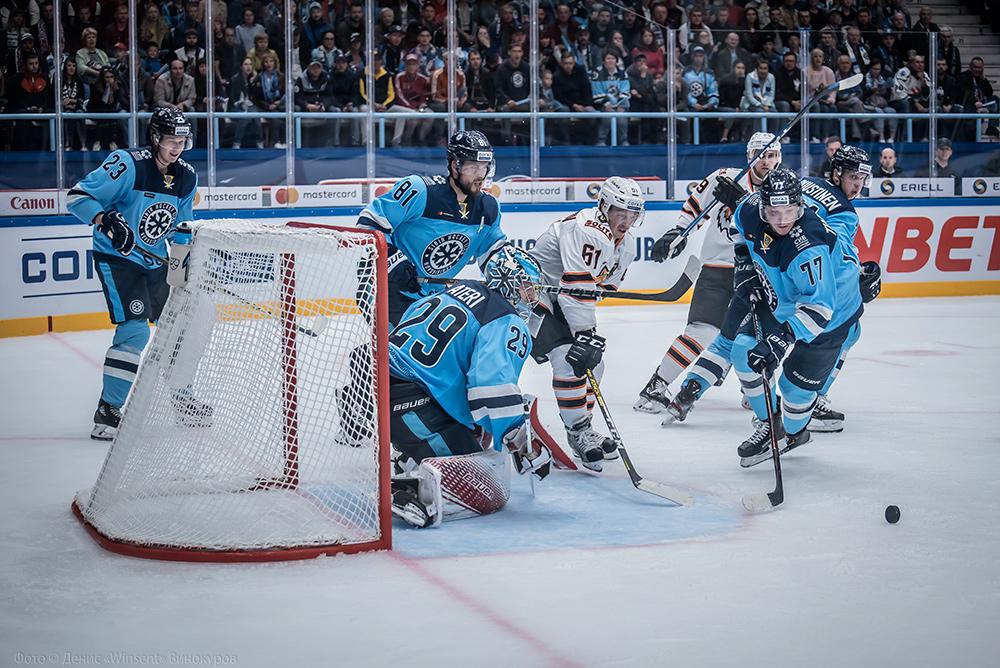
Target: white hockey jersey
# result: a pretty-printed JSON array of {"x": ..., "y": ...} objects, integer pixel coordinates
[
  {"x": 717, "y": 247},
  {"x": 579, "y": 252}
]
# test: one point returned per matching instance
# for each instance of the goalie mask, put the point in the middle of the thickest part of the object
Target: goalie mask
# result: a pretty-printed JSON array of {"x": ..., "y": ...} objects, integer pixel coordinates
[{"x": 515, "y": 275}]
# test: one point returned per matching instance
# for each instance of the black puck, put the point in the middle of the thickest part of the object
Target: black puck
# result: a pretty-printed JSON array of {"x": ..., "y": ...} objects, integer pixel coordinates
[{"x": 892, "y": 514}]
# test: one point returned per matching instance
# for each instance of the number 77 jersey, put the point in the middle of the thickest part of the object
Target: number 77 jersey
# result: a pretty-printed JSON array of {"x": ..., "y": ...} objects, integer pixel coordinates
[{"x": 467, "y": 346}]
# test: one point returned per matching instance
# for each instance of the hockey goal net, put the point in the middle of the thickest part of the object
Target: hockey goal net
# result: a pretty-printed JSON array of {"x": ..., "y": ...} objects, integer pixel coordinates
[{"x": 254, "y": 430}]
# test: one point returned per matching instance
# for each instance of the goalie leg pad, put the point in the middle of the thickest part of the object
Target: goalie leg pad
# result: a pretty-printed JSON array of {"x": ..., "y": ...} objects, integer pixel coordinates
[{"x": 465, "y": 485}]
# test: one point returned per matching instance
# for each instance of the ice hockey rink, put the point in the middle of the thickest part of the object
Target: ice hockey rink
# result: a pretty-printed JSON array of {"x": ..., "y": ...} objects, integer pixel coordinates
[{"x": 589, "y": 571}]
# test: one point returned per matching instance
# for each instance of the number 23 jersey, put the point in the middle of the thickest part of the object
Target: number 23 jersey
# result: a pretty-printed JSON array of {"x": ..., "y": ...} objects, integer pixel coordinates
[{"x": 467, "y": 346}]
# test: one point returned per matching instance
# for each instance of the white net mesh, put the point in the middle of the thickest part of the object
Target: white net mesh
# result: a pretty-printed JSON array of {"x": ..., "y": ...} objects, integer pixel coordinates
[{"x": 253, "y": 422}]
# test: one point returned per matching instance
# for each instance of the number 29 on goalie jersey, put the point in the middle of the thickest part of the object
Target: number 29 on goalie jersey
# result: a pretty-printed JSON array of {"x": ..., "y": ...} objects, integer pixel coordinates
[{"x": 467, "y": 346}]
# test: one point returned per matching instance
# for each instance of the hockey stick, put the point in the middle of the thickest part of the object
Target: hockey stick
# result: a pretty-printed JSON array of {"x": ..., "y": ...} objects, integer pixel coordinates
[
  {"x": 671, "y": 294},
  {"x": 322, "y": 322},
  {"x": 667, "y": 492},
  {"x": 844, "y": 84},
  {"x": 763, "y": 501}
]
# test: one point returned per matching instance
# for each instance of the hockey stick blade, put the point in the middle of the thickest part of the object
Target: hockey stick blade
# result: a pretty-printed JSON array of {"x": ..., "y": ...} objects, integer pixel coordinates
[
  {"x": 762, "y": 502},
  {"x": 850, "y": 82}
]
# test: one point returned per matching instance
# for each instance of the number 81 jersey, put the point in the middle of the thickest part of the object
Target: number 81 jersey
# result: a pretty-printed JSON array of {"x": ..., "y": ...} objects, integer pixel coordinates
[
  {"x": 152, "y": 202},
  {"x": 466, "y": 345}
]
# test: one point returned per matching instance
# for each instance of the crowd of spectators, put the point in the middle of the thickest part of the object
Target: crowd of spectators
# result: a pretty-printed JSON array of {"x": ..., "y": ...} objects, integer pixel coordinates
[{"x": 595, "y": 58}]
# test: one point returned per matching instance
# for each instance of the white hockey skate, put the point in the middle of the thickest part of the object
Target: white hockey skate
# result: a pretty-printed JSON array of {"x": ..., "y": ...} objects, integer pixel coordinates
[
  {"x": 825, "y": 419},
  {"x": 590, "y": 446}
]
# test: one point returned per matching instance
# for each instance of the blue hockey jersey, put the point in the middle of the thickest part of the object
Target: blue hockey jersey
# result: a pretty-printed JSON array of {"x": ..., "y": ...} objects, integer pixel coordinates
[
  {"x": 152, "y": 203},
  {"x": 422, "y": 217},
  {"x": 466, "y": 345},
  {"x": 810, "y": 274},
  {"x": 833, "y": 208}
]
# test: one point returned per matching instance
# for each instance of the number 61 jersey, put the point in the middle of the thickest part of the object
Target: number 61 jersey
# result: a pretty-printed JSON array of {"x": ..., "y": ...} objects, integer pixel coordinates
[
  {"x": 153, "y": 203},
  {"x": 466, "y": 345}
]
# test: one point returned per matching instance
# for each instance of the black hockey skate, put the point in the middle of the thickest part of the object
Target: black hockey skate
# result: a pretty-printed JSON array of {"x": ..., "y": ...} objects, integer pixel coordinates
[
  {"x": 825, "y": 419},
  {"x": 655, "y": 397},
  {"x": 354, "y": 431},
  {"x": 795, "y": 440},
  {"x": 590, "y": 446},
  {"x": 757, "y": 448},
  {"x": 683, "y": 403},
  {"x": 106, "y": 421},
  {"x": 407, "y": 506},
  {"x": 191, "y": 412}
]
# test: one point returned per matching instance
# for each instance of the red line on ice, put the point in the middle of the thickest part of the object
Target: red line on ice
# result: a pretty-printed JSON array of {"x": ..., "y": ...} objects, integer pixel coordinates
[{"x": 79, "y": 353}]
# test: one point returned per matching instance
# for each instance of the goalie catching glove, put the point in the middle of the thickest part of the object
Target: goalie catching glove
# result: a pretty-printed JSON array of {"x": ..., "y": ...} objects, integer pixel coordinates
[
  {"x": 586, "y": 352},
  {"x": 115, "y": 227}
]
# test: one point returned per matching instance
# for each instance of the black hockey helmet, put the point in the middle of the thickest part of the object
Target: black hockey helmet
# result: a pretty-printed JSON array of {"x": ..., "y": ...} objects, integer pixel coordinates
[
  {"x": 851, "y": 159},
  {"x": 781, "y": 187},
  {"x": 167, "y": 121},
  {"x": 469, "y": 146}
]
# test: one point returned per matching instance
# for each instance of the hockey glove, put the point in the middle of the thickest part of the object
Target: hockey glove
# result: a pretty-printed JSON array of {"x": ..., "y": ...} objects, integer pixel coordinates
[
  {"x": 586, "y": 352},
  {"x": 114, "y": 226},
  {"x": 402, "y": 274},
  {"x": 767, "y": 354},
  {"x": 870, "y": 281},
  {"x": 745, "y": 278},
  {"x": 529, "y": 455},
  {"x": 662, "y": 249},
  {"x": 728, "y": 192}
]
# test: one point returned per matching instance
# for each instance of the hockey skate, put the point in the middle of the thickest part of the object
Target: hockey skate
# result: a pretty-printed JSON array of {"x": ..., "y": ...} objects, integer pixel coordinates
[
  {"x": 191, "y": 412},
  {"x": 106, "y": 420},
  {"x": 655, "y": 397},
  {"x": 590, "y": 446},
  {"x": 824, "y": 418},
  {"x": 757, "y": 448},
  {"x": 683, "y": 403},
  {"x": 407, "y": 506},
  {"x": 353, "y": 432}
]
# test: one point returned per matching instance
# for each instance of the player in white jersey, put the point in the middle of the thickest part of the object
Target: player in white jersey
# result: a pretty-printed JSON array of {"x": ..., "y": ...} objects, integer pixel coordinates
[
  {"x": 591, "y": 249},
  {"x": 714, "y": 287}
]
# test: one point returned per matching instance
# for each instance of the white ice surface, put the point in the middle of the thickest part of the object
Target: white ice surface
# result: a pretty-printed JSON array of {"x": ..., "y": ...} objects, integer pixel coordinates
[{"x": 588, "y": 573}]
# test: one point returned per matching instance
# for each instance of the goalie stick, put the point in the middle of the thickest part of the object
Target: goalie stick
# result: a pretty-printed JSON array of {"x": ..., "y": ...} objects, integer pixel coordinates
[
  {"x": 843, "y": 84},
  {"x": 671, "y": 294},
  {"x": 765, "y": 501},
  {"x": 321, "y": 321},
  {"x": 667, "y": 492}
]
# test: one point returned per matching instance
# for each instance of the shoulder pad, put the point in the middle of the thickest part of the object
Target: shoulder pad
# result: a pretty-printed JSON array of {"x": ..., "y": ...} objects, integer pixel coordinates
[
  {"x": 436, "y": 180},
  {"x": 141, "y": 154},
  {"x": 182, "y": 163}
]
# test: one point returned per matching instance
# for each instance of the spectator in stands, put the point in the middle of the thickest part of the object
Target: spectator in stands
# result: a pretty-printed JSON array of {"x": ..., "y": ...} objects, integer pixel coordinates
[
  {"x": 465, "y": 23},
  {"x": 548, "y": 55},
  {"x": 246, "y": 32},
  {"x": 513, "y": 88},
  {"x": 803, "y": 21},
  {"x": 703, "y": 89},
  {"x": 31, "y": 93},
  {"x": 564, "y": 30},
  {"x": 570, "y": 85},
  {"x": 752, "y": 33},
  {"x": 941, "y": 165},
  {"x": 730, "y": 52},
  {"x": 327, "y": 51},
  {"x": 484, "y": 44},
  {"x": 404, "y": 11},
  {"x": 189, "y": 52},
  {"x": 869, "y": 30},
  {"x": 247, "y": 128},
  {"x": 479, "y": 82},
  {"x": 393, "y": 50},
  {"x": 356, "y": 56},
  {"x": 917, "y": 38},
  {"x": 977, "y": 94},
  {"x": 731, "y": 89},
  {"x": 911, "y": 91},
  {"x": 759, "y": 90},
  {"x": 833, "y": 144},
  {"x": 427, "y": 54},
  {"x": 950, "y": 52},
  {"x": 819, "y": 77},
  {"x": 268, "y": 94},
  {"x": 888, "y": 52},
  {"x": 886, "y": 167},
  {"x": 848, "y": 11},
  {"x": 828, "y": 45},
  {"x": 695, "y": 24},
  {"x": 630, "y": 26},
  {"x": 118, "y": 29},
  {"x": 272, "y": 17},
  {"x": 611, "y": 92},
  {"x": 704, "y": 41},
  {"x": 229, "y": 56},
  {"x": 856, "y": 50},
  {"x": 313, "y": 30},
  {"x": 154, "y": 28},
  {"x": 190, "y": 21},
  {"x": 642, "y": 88},
  {"x": 176, "y": 90},
  {"x": 601, "y": 29},
  {"x": 850, "y": 101},
  {"x": 440, "y": 92},
  {"x": 14, "y": 31},
  {"x": 876, "y": 92},
  {"x": 173, "y": 12},
  {"x": 343, "y": 94},
  {"x": 72, "y": 98},
  {"x": 262, "y": 49},
  {"x": 312, "y": 94},
  {"x": 768, "y": 53},
  {"x": 90, "y": 59},
  {"x": 655, "y": 59},
  {"x": 108, "y": 96},
  {"x": 617, "y": 47},
  {"x": 586, "y": 54},
  {"x": 819, "y": 17},
  {"x": 947, "y": 95},
  {"x": 45, "y": 29},
  {"x": 787, "y": 89},
  {"x": 776, "y": 28},
  {"x": 429, "y": 22},
  {"x": 384, "y": 94}
]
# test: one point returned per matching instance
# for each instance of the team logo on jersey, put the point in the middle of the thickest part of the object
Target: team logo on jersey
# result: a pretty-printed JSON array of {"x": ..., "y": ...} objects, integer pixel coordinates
[
  {"x": 156, "y": 222},
  {"x": 517, "y": 79},
  {"x": 463, "y": 210},
  {"x": 444, "y": 253},
  {"x": 765, "y": 242},
  {"x": 168, "y": 181},
  {"x": 136, "y": 306}
]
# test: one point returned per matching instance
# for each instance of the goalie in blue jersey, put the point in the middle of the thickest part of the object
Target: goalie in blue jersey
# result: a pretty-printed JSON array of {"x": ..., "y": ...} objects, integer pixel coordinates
[
  {"x": 136, "y": 198},
  {"x": 454, "y": 359}
]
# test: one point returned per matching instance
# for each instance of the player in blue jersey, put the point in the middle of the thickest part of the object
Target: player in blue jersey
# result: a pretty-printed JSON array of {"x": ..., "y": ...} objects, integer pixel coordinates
[
  {"x": 454, "y": 360},
  {"x": 850, "y": 172},
  {"x": 805, "y": 280},
  {"x": 436, "y": 225},
  {"x": 136, "y": 198}
]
